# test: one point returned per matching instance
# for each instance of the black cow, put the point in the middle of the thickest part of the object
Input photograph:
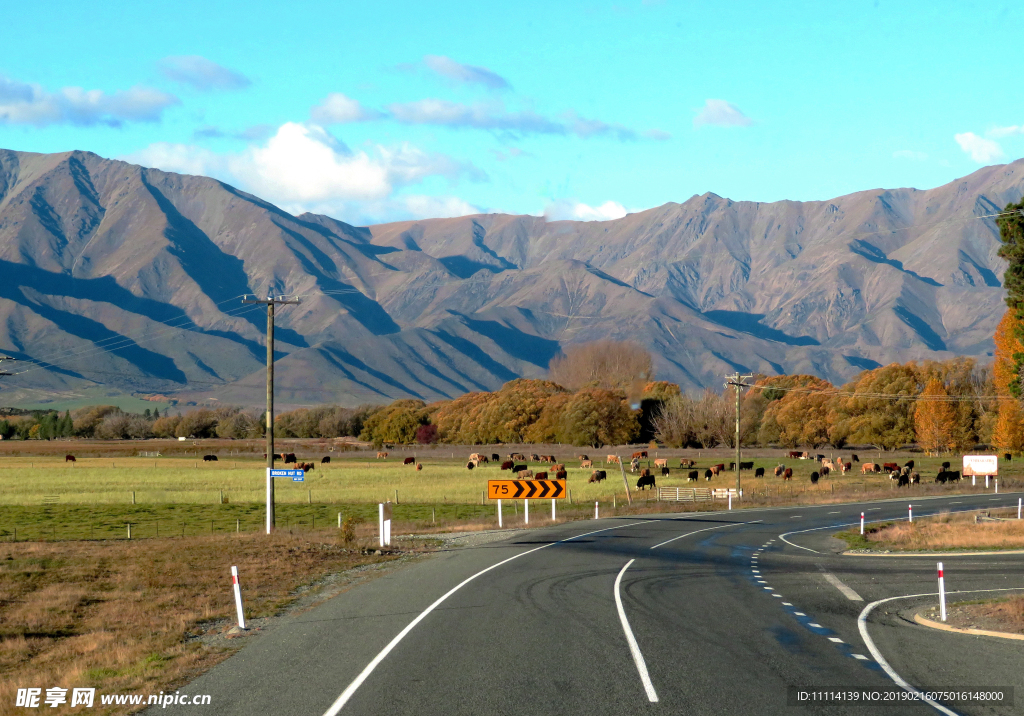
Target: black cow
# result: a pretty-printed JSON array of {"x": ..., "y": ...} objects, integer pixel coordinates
[
  {"x": 518, "y": 468},
  {"x": 1007, "y": 456},
  {"x": 759, "y": 472},
  {"x": 825, "y": 470},
  {"x": 325, "y": 459},
  {"x": 692, "y": 476},
  {"x": 814, "y": 478},
  {"x": 945, "y": 466},
  {"x": 819, "y": 458},
  {"x": 855, "y": 458},
  {"x": 495, "y": 457},
  {"x": 209, "y": 458},
  {"x": 903, "y": 480},
  {"x": 954, "y": 476},
  {"x": 597, "y": 476},
  {"x": 747, "y": 465},
  {"x": 909, "y": 463},
  {"x": 561, "y": 475},
  {"x": 732, "y": 466},
  {"x": 645, "y": 481},
  {"x": 289, "y": 457},
  {"x": 664, "y": 471},
  {"x": 469, "y": 465},
  {"x": 708, "y": 474}
]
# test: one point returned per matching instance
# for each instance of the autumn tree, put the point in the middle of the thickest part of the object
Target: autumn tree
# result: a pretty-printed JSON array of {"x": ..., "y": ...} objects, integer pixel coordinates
[
  {"x": 614, "y": 365},
  {"x": 395, "y": 423},
  {"x": 705, "y": 421},
  {"x": 598, "y": 417},
  {"x": 934, "y": 418},
  {"x": 796, "y": 410},
  {"x": 1008, "y": 435},
  {"x": 877, "y": 408},
  {"x": 1009, "y": 424},
  {"x": 652, "y": 399}
]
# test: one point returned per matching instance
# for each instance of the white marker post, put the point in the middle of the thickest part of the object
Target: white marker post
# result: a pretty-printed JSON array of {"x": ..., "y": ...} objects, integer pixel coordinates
[
  {"x": 986, "y": 482},
  {"x": 910, "y": 512},
  {"x": 1019, "y": 501},
  {"x": 597, "y": 514},
  {"x": 730, "y": 499},
  {"x": 384, "y": 523},
  {"x": 996, "y": 481},
  {"x": 942, "y": 594},
  {"x": 526, "y": 512},
  {"x": 552, "y": 510},
  {"x": 238, "y": 598},
  {"x": 862, "y": 523},
  {"x": 499, "y": 515}
]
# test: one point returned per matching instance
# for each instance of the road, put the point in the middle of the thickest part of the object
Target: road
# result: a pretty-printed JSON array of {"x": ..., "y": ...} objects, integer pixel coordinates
[{"x": 702, "y": 613}]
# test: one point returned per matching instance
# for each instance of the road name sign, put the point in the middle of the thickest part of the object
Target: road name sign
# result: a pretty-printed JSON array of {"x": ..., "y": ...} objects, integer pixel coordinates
[
  {"x": 295, "y": 475},
  {"x": 981, "y": 465},
  {"x": 526, "y": 489}
]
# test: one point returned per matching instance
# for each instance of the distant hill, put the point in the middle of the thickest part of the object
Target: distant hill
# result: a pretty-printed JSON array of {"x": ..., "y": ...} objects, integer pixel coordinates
[{"x": 101, "y": 262}]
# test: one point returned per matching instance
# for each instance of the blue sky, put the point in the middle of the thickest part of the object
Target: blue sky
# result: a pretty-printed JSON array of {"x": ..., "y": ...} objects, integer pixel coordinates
[{"x": 384, "y": 111}]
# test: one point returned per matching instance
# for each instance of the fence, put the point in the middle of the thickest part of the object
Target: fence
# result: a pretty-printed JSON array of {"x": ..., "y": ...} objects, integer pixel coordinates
[{"x": 684, "y": 494}]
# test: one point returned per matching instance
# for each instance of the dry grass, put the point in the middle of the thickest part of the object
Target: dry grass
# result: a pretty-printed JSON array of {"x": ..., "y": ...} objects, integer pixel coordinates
[
  {"x": 948, "y": 532},
  {"x": 1008, "y": 611},
  {"x": 114, "y": 615}
]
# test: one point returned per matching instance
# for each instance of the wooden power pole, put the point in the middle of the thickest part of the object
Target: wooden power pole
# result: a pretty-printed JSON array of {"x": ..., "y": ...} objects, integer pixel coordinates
[
  {"x": 738, "y": 381},
  {"x": 270, "y": 302}
]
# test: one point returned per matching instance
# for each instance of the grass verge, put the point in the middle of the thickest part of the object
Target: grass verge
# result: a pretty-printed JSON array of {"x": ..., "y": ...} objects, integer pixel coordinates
[
  {"x": 944, "y": 532},
  {"x": 114, "y": 615}
]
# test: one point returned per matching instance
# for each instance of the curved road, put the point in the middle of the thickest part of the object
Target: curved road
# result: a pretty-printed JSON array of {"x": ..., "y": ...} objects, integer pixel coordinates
[{"x": 702, "y": 613}]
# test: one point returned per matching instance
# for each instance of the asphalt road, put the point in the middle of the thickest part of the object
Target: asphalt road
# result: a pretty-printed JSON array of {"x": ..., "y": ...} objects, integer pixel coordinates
[{"x": 724, "y": 615}]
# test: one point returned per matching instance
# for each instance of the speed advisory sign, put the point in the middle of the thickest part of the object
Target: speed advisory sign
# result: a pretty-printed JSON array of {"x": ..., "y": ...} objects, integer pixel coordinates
[{"x": 525, "y": 489}]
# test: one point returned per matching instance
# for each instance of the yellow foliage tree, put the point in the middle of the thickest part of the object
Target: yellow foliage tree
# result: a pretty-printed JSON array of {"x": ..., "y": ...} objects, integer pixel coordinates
[
  {"x": 934, "y": 418},
  {"x": 1008, "y": 435}
]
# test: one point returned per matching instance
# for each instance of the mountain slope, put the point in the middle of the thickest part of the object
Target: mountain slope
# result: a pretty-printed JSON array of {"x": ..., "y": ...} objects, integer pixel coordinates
[{"x": 130, "y": 279}]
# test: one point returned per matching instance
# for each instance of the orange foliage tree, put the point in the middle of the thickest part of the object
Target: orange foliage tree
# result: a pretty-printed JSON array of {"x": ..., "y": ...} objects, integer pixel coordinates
[
  {"x": 1008, "y": 435},
  {"x": 934, "y": 418}
]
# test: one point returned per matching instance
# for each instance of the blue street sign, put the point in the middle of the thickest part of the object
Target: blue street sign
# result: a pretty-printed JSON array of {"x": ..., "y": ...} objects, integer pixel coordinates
[
  {"x": 298, "y": 479},
  {"x": 300, "y": 474}
]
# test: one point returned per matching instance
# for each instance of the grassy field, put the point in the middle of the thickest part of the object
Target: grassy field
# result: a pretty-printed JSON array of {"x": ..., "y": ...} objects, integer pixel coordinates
[
  {"x": 942, "y": 532},
  {"x": 239, "y": 479}
]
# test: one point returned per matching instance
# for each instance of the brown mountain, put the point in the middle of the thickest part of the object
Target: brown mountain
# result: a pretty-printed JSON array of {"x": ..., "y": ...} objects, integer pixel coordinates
[{"x": 118, "y": 278}]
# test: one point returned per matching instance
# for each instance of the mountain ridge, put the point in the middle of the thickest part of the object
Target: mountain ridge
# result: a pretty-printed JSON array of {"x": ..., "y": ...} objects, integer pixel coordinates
[{"x": 98, "y": 256}]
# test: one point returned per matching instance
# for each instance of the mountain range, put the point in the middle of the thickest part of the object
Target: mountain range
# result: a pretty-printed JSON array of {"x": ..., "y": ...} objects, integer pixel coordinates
[{"x": 117, "y": 279}]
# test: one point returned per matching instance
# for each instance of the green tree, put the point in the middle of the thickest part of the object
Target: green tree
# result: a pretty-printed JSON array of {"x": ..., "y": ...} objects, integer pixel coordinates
[{"x": 1011, "y": 233}]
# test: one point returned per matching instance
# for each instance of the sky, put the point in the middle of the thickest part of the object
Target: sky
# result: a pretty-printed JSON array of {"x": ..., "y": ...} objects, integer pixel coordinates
[{"x": 387, "y": 111}]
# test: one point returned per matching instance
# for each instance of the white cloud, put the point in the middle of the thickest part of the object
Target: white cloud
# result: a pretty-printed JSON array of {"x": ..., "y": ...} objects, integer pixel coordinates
[
  {"x": 201, "y": 74},
  {"x": 983, "y": 151},
  {"x": 720, "y": 113},
  {"x": 578, "y": 211},
  {"x": 303, "y": 168},
  {"x": 339, "y": 109},
  {"x": 999, "y": 132},
  {"x": 468, "y": 74},
  {"x": 22, "y": 103},
  {"x": 910, "y": 154}
]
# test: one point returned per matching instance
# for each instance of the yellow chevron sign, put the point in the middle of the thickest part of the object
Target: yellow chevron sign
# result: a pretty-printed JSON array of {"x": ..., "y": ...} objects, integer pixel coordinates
[{"x": 526, "y": 489}]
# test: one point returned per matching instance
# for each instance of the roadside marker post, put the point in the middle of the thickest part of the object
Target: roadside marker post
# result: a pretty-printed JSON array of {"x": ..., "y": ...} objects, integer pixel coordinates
[
  {"x": 1019, "y": 501},
  {"x": 238, "y": 597},
  {"x": 499, "y": 515},
  {"x": 862, "y": 523},
  {"x": 526, "y": 512},
  {"x": 942, "y": 594},
  {"x": 986, "y": 482},
  {"x": 596, "y": 513},
  {"x": 996, "y": 480},
  {"x": 910, "y": 512},
  {"x": 730, "y": 499},
  {"x": 552, "y": 509},
  {"x": 384, "y": 523}
]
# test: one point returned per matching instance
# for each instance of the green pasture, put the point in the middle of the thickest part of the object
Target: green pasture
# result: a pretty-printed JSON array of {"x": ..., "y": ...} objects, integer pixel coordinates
[{"x": 50, "y": 481}]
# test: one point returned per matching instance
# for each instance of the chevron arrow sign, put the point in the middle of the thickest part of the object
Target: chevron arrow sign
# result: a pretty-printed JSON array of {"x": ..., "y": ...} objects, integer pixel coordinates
[{"x": 526, "y": 489}]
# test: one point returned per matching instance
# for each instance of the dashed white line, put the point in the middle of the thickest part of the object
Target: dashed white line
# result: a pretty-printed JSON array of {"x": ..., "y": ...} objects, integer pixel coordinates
[
  {"x": 786, "y": 604},
  {"x": 634, "y": 648},
  {"x": 800, "y": 614},
  {"x": 860, "y": 656},
  {"x": 768, "y": 588},
  {"x": 815, "y": 625},
  {"x": 833, "y": 513},
  {"x": 836, "y": 640},
  {"x": 777, "y": 596},
  {"x": 716, "y": 527}
]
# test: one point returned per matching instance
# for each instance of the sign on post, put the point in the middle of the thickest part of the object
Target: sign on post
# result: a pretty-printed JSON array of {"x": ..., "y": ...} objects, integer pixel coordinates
[
  {"x": 295, "y": 475},
  {"x": 525, "y": 489},
  {"x": 981, "y": 465}
]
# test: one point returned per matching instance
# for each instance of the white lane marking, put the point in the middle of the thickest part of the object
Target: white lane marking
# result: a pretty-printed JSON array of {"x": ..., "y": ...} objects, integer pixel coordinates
[
  {"x": 800, "y": 614},
  {"x": 874, "y": 509},
  {"x": 833, "y": 513},
  {"x": 860, "y": 656},
  {"x": 786, "y": 604},
  {"x": 634, "y": 649},
  {"x": 862, "y": 626},
  {"x": 956, "y": 503},
  {"x": 815, "y": 625},
  {"x": 340, "y": 702},
  {"x": 836, "y": 640},
  {"x": 847, "y": 591},
  {"x": 796, "y": 517},
  {"x": 717, "y": 527},
  {"x": 779, "y": 596},
  {"x": 768, "y": 588}
]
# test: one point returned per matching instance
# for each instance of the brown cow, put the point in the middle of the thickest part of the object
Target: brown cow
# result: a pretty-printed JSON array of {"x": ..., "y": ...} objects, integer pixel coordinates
[
  {"x": 535, "y": 457},
  {"x": 795, "y": 454},
  {"x": 381, "y": 455},
  {"x": 582, "y": 457},
  {"x": 788, "y": 474},
  {"x": 419, "y": 466},
  {"x": 541, "y": 476},
  {"x": 612, "y": 459},
  {"x": 561, "y": 475},
  {"x": 586, "y": 463},
  {"x": 661, "y": 462},
  {"x": 525, "y": 474},
  {"x": 716, "y": 469},
  {"x": 71, "y": 458},
  {"x": 559, "y": 467},
  {"x": 637, "y": 455},
  {"x": 597, "y": 476},
  {"x": 890, "y": 466},
  {"x": 867, "y": 467},
  {"x": 683, "y": 462},
  {"x": 507, "y": 465},
  {"x": 409, "y": 461}
]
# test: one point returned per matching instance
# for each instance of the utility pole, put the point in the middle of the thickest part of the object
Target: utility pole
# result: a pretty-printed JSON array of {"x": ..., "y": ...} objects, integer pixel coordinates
[
  {"x": 271, "y": 302},
  {"x": 738, "y": 381}
]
